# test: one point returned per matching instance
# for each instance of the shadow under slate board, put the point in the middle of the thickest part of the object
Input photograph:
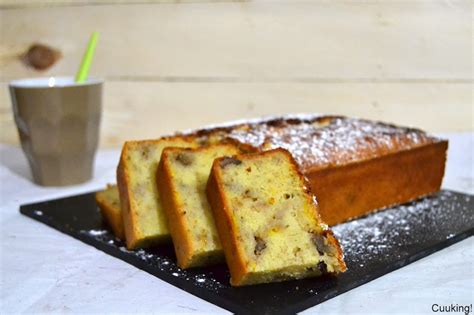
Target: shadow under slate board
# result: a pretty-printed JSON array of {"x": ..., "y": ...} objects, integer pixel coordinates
[{"x": 373, "y": 245}]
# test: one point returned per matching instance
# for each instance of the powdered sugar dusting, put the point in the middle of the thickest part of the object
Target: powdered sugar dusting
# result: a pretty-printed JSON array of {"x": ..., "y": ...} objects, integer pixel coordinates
[
  {"x": 95, "y": 232},
  {"x": 328, "y": 141},
  {"x": 389, "y": 234},
  {"x": 389, "y": 239},
  {"x": 161, "y": 258}
]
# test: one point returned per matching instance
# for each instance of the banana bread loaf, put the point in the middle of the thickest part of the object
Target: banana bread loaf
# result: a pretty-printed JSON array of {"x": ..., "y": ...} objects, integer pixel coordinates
[{"x": 354, "y": 166}]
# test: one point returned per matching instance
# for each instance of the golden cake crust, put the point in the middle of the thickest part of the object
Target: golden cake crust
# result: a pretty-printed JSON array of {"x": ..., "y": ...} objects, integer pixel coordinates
[
  {"x": 318, "y": 142},
  {"x": 327, "y": 147},
  {"x": 110, "y": 209},
  {"x": 349, "y": 191},
  {"x": 131, "y": 212},
  {"x": 227, "y": 228},
  {"x": 175, "y": 221},
  {"x": 180, "y": 229}
]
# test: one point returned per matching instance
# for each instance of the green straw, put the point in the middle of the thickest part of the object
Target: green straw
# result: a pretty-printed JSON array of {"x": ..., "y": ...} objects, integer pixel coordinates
[{"x": 81, "y": 75}]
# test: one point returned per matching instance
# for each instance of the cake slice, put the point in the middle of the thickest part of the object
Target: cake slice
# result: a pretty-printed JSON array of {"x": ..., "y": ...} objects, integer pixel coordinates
[
  {"x": 182, "y": 176},
  {"x": 109, "y": 205},
  {"x": 268, "y": 220},
  {"x": 143, "y": 218}
]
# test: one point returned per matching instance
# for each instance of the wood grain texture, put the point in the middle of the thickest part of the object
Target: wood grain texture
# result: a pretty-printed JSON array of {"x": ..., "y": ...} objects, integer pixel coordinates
[
  {"x": 13, "y": 4},
  {"x": 391, "y": 40},
  {"x": 139, "y": 110},
  {"x": 170, "y": 66}
]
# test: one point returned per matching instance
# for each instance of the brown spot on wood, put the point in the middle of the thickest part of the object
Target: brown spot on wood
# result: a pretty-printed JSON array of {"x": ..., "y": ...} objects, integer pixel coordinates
[{"x": 40, "y": 57}]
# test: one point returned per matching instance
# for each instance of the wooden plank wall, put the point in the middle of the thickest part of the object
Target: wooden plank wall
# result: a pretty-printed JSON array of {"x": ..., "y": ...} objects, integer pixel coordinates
[{"x": 170, "y": 65}]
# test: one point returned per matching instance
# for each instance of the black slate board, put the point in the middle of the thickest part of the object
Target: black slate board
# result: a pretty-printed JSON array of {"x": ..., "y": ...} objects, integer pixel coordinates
[{"x": 374, "y": 245}]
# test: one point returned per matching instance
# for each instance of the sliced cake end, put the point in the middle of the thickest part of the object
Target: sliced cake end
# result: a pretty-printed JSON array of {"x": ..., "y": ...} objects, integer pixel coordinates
[
  {"x": 143, "y": 217},
  {"x": 109, "y": 205},
  {"x": 268, "y": 220},
  {"x": 182, "y": 176}
]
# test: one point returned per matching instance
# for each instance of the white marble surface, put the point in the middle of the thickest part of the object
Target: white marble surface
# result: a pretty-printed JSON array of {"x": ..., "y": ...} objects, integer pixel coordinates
[{"x": 44, "y": 271}]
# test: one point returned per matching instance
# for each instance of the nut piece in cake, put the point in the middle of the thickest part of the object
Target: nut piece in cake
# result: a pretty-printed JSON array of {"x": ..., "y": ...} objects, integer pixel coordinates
[
  {"x": 143, "y": 217},
  {"x": 268, "y": 220},
  {"x": 109, "y": 205},
  {"x": 182, "y": 176}
]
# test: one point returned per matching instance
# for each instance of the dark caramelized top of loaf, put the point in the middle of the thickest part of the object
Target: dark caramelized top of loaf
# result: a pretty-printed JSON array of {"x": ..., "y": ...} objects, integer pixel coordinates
[{"x": 318, "y": 142}]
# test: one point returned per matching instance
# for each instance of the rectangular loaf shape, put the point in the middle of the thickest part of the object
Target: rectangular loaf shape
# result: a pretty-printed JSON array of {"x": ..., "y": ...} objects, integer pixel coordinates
[
  {"x": 182, "y": 176},
  {"x": 350, "y": 191},
  {"x": 354, "y": 166},
  {"x": 143, "y": 217},
  {"x": 268, "y": 220}
]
